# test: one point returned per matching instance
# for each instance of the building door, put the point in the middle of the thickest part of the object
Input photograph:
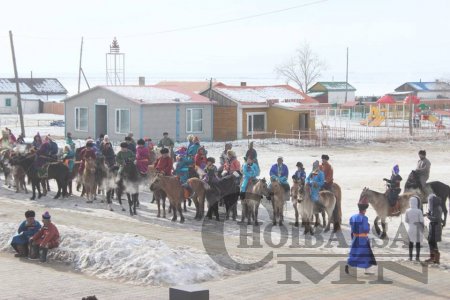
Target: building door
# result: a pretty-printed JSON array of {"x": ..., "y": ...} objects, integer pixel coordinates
[
  {"x": 304, "y": 122},
  {"x": 101, "y": 120}
]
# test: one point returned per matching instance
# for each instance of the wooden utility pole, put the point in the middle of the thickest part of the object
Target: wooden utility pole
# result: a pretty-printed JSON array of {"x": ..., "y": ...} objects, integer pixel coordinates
[
  {"x": 79, "y": 68},
  {"x": 16, "y": 76},
  {"x": 411, "y": 114},
  {"x": 346, "y": 79}
]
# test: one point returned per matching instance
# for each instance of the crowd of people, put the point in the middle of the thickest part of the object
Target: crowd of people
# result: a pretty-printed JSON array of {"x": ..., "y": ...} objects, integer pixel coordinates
[{"x": 32, "y": 238}]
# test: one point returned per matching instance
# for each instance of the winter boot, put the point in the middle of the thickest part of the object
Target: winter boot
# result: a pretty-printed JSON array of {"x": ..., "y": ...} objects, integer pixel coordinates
[
  {"x": 437, "y": 257},
  {"x": 43, "y": 255},
  {"x": 34, "y": 252},
  {"x": 20, "y": 251},
  {"x": 431, "y": 259}
]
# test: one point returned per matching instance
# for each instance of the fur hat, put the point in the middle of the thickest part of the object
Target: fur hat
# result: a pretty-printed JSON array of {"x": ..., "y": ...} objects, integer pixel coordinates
[
  {"x": 123, "y": 145},
  {"x": 196, "y": 139},
  {"x": 299, "y": 164},
  {"x": 316, "y": 165},
  {"x": 89, "y": 144},
  {"x": 326, "y": 157},
  {"x": 422, "y": 152},
  {"x": 141, "y": 142},
  {"x": 46, "y": 216},
  {"x": 164, "y": 151},
  {"x": 211, "y": 159},
  {"x": 106, "y": 137},
  {"x": 30, "y": 214},
  {"x": 231, "y": 153}
]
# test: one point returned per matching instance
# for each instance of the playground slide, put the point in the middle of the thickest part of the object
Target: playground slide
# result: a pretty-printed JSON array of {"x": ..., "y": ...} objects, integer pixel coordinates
[
  {"x": 435, "y": 120},
  {"x": 377, "y": 121}
]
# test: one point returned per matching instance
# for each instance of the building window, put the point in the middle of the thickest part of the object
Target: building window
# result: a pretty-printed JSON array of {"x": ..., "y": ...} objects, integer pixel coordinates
[
  {"x": 8, "y": 102},
  {"x": 194, "y": 120},
  {"x": 256, "y": 122},
  {"x": 81, "y": 119},
  {"x": 122, "y": 121}
]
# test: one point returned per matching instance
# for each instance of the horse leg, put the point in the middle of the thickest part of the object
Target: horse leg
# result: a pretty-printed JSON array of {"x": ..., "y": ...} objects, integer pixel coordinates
[
  {"x": 48, "y": 185},
  {"x": 164, "y": 206},
  {"x": 235, "y": 207},
  {"x": 330, "y": 217},
  {"x": 244, "y": 212},
  {"x": 280, "y": 221},
  {"x": 108, "y": 199},
  {"x": 174, "y": 218},
  {"x": 274, "y": 212},
  {"x": 119, "y": 197},
  {"x": 184, "y": 203},
  {"x": 181, "y": 212},
  {"x": 256, "y": 214},
  {"x": 135, "y": 198},
  {"x": 296, "y": 215},
  {"x": 130, "y": 203},
  {"x": 383, "y": 226},
  {"x": 215, "y": 208},
  {"x": 377, "y": 228},
  {"x": 33, "y": 188},
  {"x": 158, "y": 203},
  {"x": 444, "y": 211}
]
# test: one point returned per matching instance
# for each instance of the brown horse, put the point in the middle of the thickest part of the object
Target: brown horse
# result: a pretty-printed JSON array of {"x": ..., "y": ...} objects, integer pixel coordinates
[
  {"x": 19, "y": 178},
  {"x": 158, "y": 194},
  {"x": 172, "y": 187},
  {"x": 199, "y": 188},
  {"x": 326, "y": 202},
  {"x": 380, "y": 204},
  {"x": 279, "y": 197},
  {"x": 252, "y": 200},
  {"x": 88, "y": 179}
]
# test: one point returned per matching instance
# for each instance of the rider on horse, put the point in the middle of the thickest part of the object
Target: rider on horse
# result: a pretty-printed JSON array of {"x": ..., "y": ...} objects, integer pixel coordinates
[
  {"x": 164, "y": 164},
  {"x": 251, "y": 171},
  {"x": 315, "y": 180},
  {"x": 142, "y": 157},
  {"x": 43, "y": 156},
  {"x": 88, "y": 152},
  {"x": 327, "y": 170},
  {"x": 124, "y": 156},
  {"x": 394, "y": 186},
  {"x": 280, "y": 173},
  {"x": 300, "y": 174}
]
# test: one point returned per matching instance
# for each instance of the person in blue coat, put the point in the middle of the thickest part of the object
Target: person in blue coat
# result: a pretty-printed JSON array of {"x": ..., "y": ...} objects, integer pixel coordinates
[
  {"x": 251, "y": 171},
  {"x": 26, "y": 230},
  {"x": 315, "y": 180},
  {"x": 280, "y": 173},
  {"x": 361, "y": 255},
  {"x": 300, "y": 174}
]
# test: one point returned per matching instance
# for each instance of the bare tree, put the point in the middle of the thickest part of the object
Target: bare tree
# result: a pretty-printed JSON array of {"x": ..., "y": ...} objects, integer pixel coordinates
[{"x": 303, "y": 68}]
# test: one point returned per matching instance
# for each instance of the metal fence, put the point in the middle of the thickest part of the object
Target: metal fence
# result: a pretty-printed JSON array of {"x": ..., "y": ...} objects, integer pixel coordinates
[{"x": 339, "y": 136}]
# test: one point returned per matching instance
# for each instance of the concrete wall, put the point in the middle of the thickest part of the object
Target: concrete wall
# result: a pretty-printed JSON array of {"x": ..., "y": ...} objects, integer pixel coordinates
[
  {"x": 113, "y": 102},
  {"x": 8, "y": 109},
  {"x": 339, "y": 96},
  {"x": 31, "y": 106},
  {"x": 433, "y": 95}
]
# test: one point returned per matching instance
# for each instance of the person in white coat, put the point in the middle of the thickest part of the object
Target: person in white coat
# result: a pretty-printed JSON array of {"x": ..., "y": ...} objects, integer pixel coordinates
[{"x": 414, "y": 219}]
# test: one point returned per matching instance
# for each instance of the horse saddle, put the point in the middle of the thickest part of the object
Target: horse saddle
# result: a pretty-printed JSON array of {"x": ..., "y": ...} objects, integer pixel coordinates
[
  {"x": 43, "y": 171},
  {"x": 394, "y": 211}
]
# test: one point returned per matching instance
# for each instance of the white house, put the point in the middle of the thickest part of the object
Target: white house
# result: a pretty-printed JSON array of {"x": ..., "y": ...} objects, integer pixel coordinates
[
  {"x": 426, "y": 90},
  {"x": 33, "y": 92},
  {"x": 332, "y": 92}
]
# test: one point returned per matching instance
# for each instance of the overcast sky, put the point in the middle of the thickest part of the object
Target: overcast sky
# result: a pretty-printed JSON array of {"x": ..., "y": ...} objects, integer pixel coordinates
[{"x": 390, "y": 42}]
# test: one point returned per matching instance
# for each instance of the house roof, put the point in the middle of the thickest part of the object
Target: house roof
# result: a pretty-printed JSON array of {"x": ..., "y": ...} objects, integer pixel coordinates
[
  {"x": 150, "y": 94},
  {"x": 331, "y": 86},
  {"x": 426, "y": 86},
  {"x": 37, "y": 86},
  {"x": 263, "y": 95},
  {"x": 193, "y": 86}
]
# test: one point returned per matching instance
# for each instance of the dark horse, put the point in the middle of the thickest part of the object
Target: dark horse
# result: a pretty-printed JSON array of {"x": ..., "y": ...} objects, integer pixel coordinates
[
  {"x": 57, "y": 171},
  {"x": 440, "y": 189},
  {"x": 129, "y": 182},
  {"x": 227, "y": 189}
]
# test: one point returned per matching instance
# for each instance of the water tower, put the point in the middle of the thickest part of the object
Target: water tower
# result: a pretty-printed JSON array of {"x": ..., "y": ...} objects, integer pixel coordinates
[{"x": 115, "y": 65}]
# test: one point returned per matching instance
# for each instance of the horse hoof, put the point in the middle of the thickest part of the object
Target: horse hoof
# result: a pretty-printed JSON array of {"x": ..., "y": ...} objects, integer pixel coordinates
[
  {"x": 296, "y": 224},
  {"x": 174, "y": 220},
  {"x": 182, "y": 220},
  {"x": 111, "y": 209},
  {"x": 123, "y": 209},
  {"x": 89, "y": 201},
  {"x": 280, "y": 224},
  {"x": 383, "y": 236},
  {"x": 158, "y": 216},
  {"x": 274, "y": 223}
]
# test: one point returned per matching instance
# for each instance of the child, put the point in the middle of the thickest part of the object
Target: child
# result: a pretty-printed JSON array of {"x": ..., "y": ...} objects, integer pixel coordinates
[
  {"x": 414, "y": 219},
  {"x": 68, "y": 157},
  {"x": 361, "y": 255},
  {"x": 200, "y": 158},
  {"x": 300, "y": 174},
  {"x": 210, "y": 170}
]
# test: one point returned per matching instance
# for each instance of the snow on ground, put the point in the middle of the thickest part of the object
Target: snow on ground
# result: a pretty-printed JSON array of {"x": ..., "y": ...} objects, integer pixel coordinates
[
  {"x": 34, "y": 123},
  {"x": 127, "y": 257},
  {"x": 355, "y": 166}
]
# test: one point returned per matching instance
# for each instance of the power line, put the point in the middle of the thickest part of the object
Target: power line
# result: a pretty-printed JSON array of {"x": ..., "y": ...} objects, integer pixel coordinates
[{"x": 190, "y": 27}]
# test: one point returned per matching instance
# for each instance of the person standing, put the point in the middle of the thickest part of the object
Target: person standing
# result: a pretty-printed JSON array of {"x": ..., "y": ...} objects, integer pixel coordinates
[
  {"x": 327, "y": 170},
  {"x": 26, "y": 230},
  {"x": 423, "y": 171},
  {"x": 46, "y": 238},
  {"x": 434, "y": 214},
  {"x": 361, "y": 255},
  {"x": 414, "y": 219},
  {"x": 166, "y": 141}
]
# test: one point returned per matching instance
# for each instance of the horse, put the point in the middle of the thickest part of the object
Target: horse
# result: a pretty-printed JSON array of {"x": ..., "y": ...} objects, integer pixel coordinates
[
  {"x": 57, "y": 171},
  {"x": 101, "y": 173},
  {"x": 252, "y": 200},
  {"x": 5, "y": 157},
  {"x": 158, "y": 194},
  {"x": 89, "y": 180},
  {"x": 380, "y": 204},
  {"x": 326, "y": 202},
  {"x": 129, "y": 183},
  {"x": 228, "y": 190},
  {"x": 278, "y": 199},
  {"x": 198, "y": 196},
  {"x": 412, "y": 185},
  {"x": 19, "y": 178},
  {"x": 172, "y": 187}
]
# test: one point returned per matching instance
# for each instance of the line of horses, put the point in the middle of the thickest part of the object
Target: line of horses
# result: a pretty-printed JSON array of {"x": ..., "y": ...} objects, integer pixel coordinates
[{"x": 98, "y": 178}]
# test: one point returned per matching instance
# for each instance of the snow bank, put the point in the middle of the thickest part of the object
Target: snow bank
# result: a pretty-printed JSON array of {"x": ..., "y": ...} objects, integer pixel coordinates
[{"x": 127, "y": 257}]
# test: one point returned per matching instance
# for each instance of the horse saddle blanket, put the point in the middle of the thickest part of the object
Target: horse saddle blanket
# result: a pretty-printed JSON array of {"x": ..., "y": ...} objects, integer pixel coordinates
[
  {"x": 43, "y": 171},
  {"x": 394, "y": 211}
]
